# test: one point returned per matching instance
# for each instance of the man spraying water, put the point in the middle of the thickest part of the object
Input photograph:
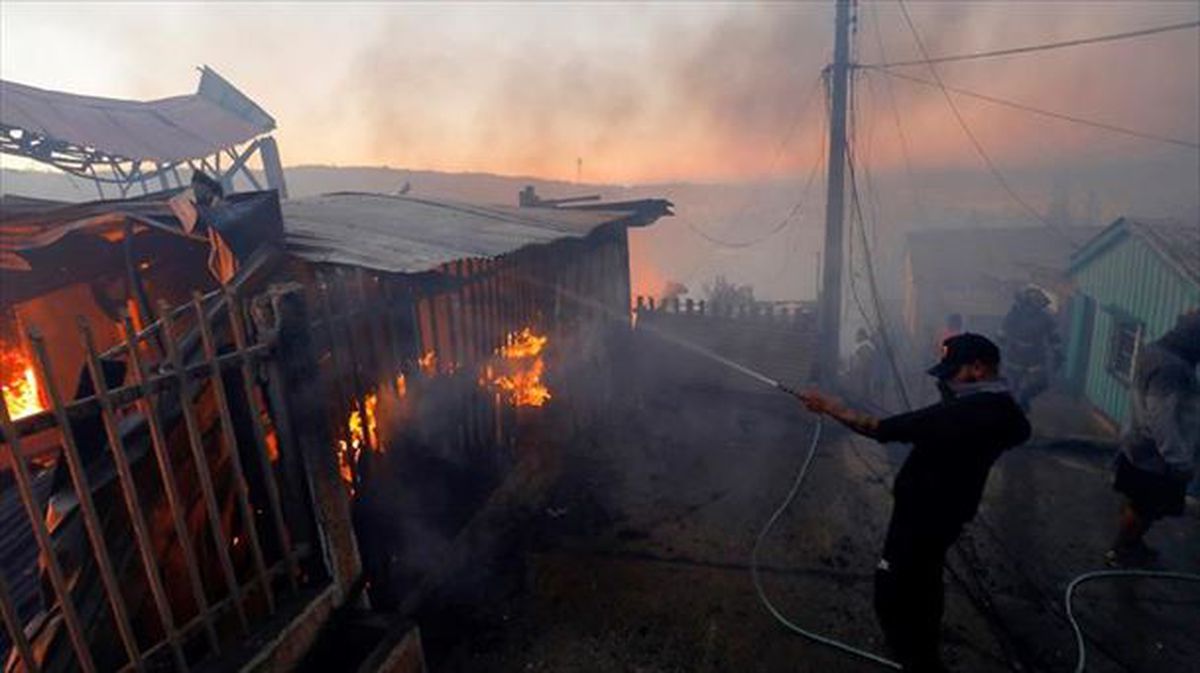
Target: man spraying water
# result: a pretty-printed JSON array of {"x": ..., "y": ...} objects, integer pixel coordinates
[{"x": 938, "y": 489}]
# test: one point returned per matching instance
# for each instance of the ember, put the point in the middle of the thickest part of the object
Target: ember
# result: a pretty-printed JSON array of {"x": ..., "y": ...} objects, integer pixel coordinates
[
  {"x": 518, "y": 370},
  {"x": 19, "y": 384}
]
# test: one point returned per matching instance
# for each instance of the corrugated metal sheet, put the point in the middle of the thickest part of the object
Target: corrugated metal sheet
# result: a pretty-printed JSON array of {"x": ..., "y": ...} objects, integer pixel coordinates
[
  {"x": 18, "y": 550},
  {"x": 403, "y": 234},
  {"x": 1127, "y": 271},
  {"x": 170, "y": 129}
]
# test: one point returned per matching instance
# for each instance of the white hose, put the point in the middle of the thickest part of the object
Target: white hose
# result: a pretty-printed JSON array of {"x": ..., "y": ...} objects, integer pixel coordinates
[
  {"x": 1081, "y": 651},
  {"x": 762, "y": 596}
]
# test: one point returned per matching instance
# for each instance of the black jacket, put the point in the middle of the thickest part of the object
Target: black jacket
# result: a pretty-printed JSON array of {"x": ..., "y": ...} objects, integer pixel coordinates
[{"x": 955, "y": 443}]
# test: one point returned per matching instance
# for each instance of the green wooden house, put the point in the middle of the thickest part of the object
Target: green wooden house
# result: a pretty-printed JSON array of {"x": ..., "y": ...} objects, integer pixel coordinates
[{"x": 1132, "y": 281}]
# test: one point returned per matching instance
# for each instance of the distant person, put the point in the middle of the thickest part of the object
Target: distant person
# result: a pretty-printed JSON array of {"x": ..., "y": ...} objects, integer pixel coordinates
[
  {"x": 953, "y": 326},
  {"x": 1029, "y": 337},
  {"x": 866, "y": 371},
  {"x": 938, "y": 489},
  {"x": 1158, "y": 451}
]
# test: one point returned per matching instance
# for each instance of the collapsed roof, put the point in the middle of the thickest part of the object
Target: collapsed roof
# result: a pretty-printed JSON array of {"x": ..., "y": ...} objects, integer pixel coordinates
[{"x": 172, "y": 129}]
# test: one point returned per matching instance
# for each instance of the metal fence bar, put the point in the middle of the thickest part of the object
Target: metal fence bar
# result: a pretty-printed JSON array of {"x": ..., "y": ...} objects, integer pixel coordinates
[
  {"x": 45, "y": 545},
  {"x": 220, "y": 541},
  {"x": 241, "y": 489},
  {"x": 260, "y": 439},
  {"x": 16, "y": 630},
  {"x": 162, "y": 453},
  {"x": 150, "y": 329},
  {"x": 85, "y": 406},
  {"x": 129, "y": 490},
  {"x": 216, "y": 607},
  {"x": 83, "y": 491}
]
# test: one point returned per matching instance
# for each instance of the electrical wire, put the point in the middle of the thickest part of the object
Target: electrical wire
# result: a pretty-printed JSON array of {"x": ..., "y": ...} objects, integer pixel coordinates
[
  {"x": 891, "y": 91},
  {"x": 1123, "y": 130},
  {"x": 1041, "y": 47},
  {"x": 816, "y": 167},
  {"x": 987, "y": 160},
  {"x": 870, "y": 267},
  {"x": 715, "y": 240}
]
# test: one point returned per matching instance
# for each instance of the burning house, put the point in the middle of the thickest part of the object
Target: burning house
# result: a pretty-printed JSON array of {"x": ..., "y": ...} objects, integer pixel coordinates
[{"x": 206, "y": 394}]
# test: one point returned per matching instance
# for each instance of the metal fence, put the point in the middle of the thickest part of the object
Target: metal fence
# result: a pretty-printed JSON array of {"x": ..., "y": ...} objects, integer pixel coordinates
[{"x": 185, "y": 480}]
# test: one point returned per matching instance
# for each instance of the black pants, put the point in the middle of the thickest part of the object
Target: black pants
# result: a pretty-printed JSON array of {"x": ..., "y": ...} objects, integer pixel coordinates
[{"x": 909, "y": 595}]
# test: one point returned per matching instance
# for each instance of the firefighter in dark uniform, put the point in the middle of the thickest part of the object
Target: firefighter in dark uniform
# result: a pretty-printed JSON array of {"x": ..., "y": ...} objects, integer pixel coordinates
[
  {"x": 938, "y": 489},
  {"x": 1029, "y": 337}
]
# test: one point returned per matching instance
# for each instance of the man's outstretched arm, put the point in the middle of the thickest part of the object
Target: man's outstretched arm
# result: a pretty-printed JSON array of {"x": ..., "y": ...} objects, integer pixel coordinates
[{"x": 861, "y": 422}]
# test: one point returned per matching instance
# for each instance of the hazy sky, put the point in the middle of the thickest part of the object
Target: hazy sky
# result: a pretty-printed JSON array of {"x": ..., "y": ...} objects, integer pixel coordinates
[{"x": 642, "y": 92}]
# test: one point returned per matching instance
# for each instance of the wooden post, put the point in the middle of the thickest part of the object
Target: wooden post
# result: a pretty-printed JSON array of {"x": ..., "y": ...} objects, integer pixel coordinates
[
  {"x": 256, "y": 412},
  {"x": 306, "y": 399}
]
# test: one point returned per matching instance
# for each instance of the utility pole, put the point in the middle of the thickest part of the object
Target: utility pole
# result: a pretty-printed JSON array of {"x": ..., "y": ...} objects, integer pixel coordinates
[{"x": 830, "y": 315}]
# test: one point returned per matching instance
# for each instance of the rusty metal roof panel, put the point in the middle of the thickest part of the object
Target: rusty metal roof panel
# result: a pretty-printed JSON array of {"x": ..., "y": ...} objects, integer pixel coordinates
[{"x": 404, "y": 234}]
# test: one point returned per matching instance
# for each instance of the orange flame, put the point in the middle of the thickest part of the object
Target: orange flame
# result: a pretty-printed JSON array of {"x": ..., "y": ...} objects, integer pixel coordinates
[
  {"x": 428, "y": 363},
  {"x": 362, "y": 431},
  {"x": 521, "y": 368},
  {"x": 19, "y": 384}
]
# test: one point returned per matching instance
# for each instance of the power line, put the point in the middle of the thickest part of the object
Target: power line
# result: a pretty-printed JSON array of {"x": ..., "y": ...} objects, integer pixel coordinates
[
  {"x": 1037, "y": 47},
  {"x": 881, "y": 322},
  {"x": 746, "y": 204},
  {"x": 1039, "y": 111},
  {"x": 891, "y": 92},
  {"x": 987, "y": 160},
  {"x": 881, "y": 326}
]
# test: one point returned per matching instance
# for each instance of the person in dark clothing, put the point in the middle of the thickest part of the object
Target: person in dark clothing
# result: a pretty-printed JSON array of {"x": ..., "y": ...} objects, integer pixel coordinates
[
  {"x": 1158, "y": 450},
  {"x": 938, "y": 489},
  {"x": 1029, "y": 337}
]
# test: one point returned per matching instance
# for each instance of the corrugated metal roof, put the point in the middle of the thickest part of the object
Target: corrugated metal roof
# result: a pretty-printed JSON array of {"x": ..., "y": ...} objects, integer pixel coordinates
[
  {"x": 404, "y": 234},
  {"x": 170, "y": 129},
  {"x": 18, "y": 551},
  {"x": 398, "y": 234},
  {"x": 1178, "y": 243}
]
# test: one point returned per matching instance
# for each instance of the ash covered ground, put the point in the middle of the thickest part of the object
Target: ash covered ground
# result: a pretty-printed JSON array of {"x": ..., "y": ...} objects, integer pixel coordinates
[{"x": 633, "y": 555}]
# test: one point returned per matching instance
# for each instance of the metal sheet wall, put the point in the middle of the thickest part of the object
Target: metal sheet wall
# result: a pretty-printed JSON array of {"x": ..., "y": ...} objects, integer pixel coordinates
[{"x": 1129, "y": 278}]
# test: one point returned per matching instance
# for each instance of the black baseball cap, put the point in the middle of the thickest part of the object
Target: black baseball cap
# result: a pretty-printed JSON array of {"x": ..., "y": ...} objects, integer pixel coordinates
[{"x": 963, "y": 349}]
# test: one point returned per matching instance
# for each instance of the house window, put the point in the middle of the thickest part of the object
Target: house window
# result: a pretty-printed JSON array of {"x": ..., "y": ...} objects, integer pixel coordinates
[{"x": 1123, "y": 347}]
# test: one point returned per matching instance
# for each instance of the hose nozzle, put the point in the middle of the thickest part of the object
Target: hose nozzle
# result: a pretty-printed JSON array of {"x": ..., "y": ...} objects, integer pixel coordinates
[{"x": 789, "y": 390}]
